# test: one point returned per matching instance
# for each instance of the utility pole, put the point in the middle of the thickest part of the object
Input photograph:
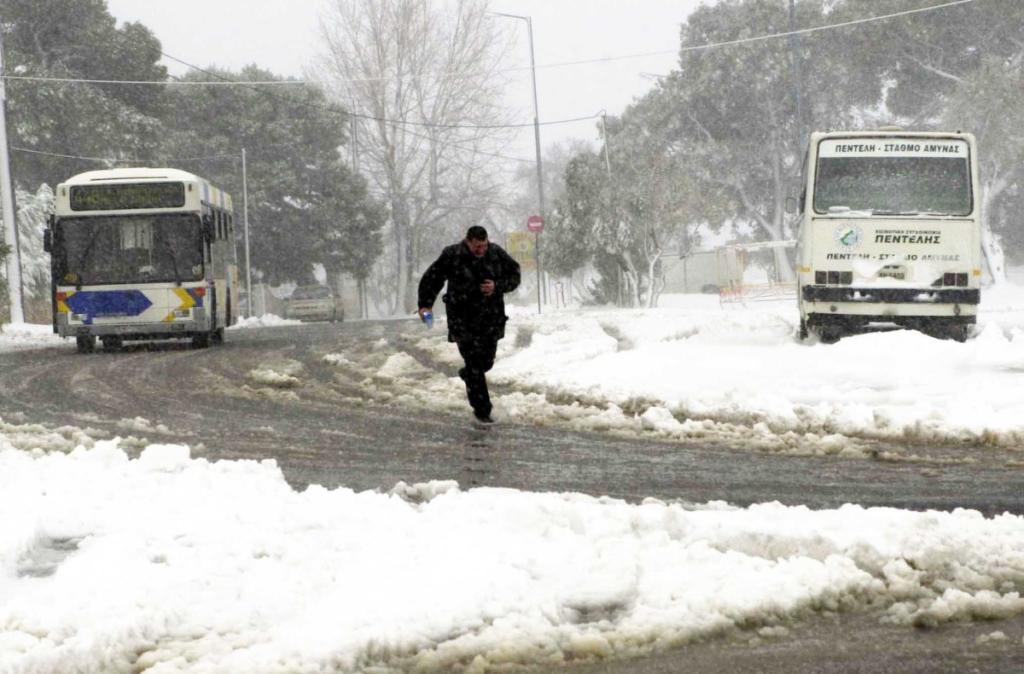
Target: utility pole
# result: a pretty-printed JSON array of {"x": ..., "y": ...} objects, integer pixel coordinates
[
  {"x": 608, "y": 170},
  {"x": 604, "y": 132},
  {"x": 245, "y": 221},
  {"x": 794, "y": 51},
  {"x": 364, "y": 310},
  {"x": 14, "y": 290},
  {"x": 355, "y": 151},
  {"x": 536, "y": 138}
]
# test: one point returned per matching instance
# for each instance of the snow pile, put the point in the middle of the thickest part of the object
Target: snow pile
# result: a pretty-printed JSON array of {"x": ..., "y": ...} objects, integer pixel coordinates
[
  {"x": 337, "y": 359},
  {"x": 400, "y": 365},
  {"x": 695, "y": 369},
  {"x": 274, "y": 379},
  {"x": 264, "y": 321},
  {"x": 22, "y": 336},
  {"x": 38, "y": 438},
  {"x": 182, "y": 565},
  {"x": 142, "y": 425}
]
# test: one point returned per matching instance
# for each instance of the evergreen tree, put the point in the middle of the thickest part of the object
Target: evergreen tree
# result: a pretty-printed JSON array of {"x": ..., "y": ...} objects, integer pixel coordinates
[
  {"x": 305, "y": 206},
  {"x": 77, "y": 39}
]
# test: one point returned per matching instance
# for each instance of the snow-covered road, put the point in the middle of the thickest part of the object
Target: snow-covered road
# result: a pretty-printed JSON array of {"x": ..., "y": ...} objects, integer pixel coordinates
[{"x": 170, "y": 563}]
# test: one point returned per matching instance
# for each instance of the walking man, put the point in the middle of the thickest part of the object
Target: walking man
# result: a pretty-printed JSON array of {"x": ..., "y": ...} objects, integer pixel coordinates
[{"x": 478, "y": 273}]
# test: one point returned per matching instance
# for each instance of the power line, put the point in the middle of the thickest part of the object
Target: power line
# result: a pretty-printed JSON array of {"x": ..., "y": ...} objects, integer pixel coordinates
[
  {"x": 223, "y": 81},
  {"x": 117, "y": 159},
  {"x": 235, "y": 156},
  {"x": 561, "y": 64},
  {"x": 227, "y": 82},
  {"x": 761, "y": 38},
  {"x": 310, "y": 105},
  {"x": 134, "y": 160},
  {"x": 205, "y": 83}
]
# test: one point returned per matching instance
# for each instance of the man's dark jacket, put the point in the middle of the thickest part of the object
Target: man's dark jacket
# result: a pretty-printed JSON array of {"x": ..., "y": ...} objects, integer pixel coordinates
[{"x": 470, "y": 313}]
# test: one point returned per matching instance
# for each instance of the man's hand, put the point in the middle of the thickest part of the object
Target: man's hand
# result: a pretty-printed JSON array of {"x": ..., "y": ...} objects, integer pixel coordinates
[
  {"x": 423, "y": 310},
  {"x": 487, "y": 288}
]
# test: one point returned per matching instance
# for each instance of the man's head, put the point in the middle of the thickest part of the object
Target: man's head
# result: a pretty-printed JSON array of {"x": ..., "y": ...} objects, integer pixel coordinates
[{"x": 476, "y": 240}]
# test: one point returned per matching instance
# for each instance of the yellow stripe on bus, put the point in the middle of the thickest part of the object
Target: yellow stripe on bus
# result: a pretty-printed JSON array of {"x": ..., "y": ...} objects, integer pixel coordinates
[
  {"x": 62, "y": 305},
  {"x": 187, "y": 302}
]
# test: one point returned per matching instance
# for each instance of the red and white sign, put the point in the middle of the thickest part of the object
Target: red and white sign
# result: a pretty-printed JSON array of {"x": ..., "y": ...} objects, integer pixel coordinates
[{"x": 535, "y": 223}]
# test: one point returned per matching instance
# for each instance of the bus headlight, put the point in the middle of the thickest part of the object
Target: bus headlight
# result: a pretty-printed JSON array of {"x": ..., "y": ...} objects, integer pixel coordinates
[
  {"x": 952, "y": 279},
  {"x": 78, "y": 317},
  {"x": 182, "y": 313}
]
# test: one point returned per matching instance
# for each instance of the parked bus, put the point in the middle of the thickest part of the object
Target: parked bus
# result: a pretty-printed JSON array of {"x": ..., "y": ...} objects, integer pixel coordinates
[
  {"x": 890, "y": 234},
  {"x": 141, "y": 254}
]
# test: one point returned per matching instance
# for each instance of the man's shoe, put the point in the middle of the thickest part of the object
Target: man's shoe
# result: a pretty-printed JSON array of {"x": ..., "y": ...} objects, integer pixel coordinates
[{"x": 483, "y": 418}]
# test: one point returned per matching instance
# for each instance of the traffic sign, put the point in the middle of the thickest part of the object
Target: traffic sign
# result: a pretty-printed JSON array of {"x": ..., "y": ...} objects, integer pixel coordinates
[
  {"x": 520, "y": 245},
  {"x": 535, "y": 223}
]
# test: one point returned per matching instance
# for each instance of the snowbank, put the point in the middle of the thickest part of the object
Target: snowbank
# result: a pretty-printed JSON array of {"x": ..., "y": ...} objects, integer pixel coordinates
[
  {"x": 264, "y": 321},
  {"x": 24, "y": 336},
  {"x": 698, "y": 369},
  {"x": 182, "y": 565}
]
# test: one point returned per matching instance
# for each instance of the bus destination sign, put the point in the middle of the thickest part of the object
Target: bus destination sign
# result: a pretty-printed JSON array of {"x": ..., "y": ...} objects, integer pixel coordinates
[
  {"x": 124, "y": 197},
  {"x": 893, "y": 147}
]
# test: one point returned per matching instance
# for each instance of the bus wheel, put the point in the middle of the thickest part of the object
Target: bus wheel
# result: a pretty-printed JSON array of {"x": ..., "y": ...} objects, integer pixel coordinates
[
  {"x": 830, "y": 334},
  {"x": 218, "y": 336},
  {"x": 957, "y": 332},
  {"x": 802, "y": 334},
  {"x": 201, "y": 340},
  {"x": 85, "y": 344},
  {"x": 112, "y": 343}
]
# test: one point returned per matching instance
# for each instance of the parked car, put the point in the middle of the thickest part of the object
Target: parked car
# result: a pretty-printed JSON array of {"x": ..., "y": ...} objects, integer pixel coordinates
[{"x": 314, "y": 303}]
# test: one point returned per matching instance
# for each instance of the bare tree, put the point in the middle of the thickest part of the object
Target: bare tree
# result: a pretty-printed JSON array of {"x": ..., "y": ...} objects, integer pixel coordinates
[{"x": 423, "y": 80}]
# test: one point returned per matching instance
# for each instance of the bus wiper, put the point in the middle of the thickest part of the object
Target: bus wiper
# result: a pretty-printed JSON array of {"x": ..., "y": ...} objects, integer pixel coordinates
[
  {"x": 84, "y": 258},
  {"x": 846, "y": 210},
  {"x": 173, "y": 254},
  {"x": 177, "y": 275},
  {"x": 885, "y": 212}
]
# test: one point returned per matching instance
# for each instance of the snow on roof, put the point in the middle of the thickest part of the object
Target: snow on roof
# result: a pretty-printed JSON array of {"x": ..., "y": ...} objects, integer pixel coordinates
[{"x": 132, "y": 174}]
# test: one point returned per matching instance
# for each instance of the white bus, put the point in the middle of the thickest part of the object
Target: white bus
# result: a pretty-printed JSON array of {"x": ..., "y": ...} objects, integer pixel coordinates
[
  {"x": 141, "y": 254},
  {"x": 890, "y": 234}
]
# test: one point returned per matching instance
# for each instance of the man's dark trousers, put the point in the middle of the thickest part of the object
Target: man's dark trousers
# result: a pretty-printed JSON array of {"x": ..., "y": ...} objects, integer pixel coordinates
[{"x": 478, "y": 353}]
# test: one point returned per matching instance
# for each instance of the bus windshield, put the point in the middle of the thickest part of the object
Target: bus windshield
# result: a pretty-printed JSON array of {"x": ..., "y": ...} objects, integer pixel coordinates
[
  {"x": 893, "y": 185},
  {"x": 129, "y": 249}
]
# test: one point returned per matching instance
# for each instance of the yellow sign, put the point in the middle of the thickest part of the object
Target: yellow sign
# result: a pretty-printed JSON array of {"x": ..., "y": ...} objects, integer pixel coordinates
[{"x": 520, "y": 245}]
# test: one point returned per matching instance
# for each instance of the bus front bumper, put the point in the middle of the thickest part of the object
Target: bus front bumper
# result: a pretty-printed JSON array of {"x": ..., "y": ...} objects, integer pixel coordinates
[
  {"x": 892, "y": 295},
  {"x": 891, "y": 304}
]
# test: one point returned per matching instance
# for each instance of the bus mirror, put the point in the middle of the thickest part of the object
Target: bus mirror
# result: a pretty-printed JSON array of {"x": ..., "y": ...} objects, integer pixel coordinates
[{"x": 48, "y": 240}]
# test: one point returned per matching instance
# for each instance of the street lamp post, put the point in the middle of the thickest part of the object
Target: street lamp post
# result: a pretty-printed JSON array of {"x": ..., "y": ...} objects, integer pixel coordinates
[
  {"x": 14, "y": 290},
  {"x": 536, "y": 138},
  {"x": 245, "y": 221}
]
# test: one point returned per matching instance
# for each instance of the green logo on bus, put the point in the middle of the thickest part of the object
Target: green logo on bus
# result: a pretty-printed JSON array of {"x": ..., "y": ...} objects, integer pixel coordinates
[{"x": 848, "y": 236}]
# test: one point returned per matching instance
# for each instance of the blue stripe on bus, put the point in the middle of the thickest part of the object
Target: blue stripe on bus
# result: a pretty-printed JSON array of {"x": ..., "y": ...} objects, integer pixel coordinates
[{"x": 105, "y": 303}]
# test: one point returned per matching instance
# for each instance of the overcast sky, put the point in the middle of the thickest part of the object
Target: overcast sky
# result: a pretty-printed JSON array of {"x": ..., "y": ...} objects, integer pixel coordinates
[{"x": 282, "y": 36}]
